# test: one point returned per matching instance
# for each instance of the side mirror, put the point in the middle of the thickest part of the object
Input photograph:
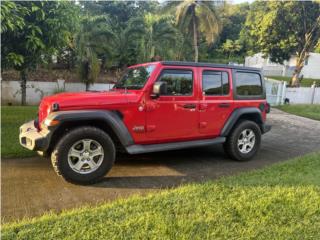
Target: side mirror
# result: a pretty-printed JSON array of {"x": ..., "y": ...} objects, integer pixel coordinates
[{"x": 159, "y": 88}]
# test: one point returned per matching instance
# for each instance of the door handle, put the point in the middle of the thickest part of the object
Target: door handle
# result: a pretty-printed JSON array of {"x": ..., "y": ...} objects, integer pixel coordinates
[
  {"x": 189, "y": 106},
  {"x": 224, "y": 105}
]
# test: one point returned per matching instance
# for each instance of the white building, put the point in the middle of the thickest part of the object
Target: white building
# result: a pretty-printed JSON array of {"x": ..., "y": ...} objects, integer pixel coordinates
[{"x": 311, "y": 67}]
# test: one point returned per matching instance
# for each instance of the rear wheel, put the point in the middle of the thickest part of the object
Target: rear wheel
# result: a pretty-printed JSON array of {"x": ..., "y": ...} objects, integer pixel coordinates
[
  {"x": 244, "y": 141},
  {"x": 84, "y": 155}
]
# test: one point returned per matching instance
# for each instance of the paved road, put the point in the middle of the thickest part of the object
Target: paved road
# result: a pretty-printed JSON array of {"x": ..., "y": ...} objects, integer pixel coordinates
[{"x": 30, "y": 187}]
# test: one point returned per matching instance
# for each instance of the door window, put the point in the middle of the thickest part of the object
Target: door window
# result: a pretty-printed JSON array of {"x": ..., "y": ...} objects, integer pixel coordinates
[
  {"x": 179, "y": 82},
  {"x": 215, "y": 83}
]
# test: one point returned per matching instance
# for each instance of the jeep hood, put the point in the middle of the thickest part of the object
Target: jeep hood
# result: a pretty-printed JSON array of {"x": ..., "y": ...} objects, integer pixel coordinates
[{"x": 85, "y": 101}]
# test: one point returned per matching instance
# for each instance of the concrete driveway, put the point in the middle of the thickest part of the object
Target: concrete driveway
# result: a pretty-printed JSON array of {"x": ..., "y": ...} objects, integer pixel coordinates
[{"x": 29, "y": 187}]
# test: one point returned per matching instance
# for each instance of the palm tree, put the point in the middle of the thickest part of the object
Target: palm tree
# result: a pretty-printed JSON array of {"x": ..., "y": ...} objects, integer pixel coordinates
[
  {"x": 194, "y": 17},
  {"x": 126, "y": 41},
  {"x": 92, "y": 42},
  {"x": 159, "y": 34}
]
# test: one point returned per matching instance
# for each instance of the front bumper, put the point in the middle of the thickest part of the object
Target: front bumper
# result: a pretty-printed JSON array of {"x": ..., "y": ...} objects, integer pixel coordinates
[{"x": 32, "y": 139}]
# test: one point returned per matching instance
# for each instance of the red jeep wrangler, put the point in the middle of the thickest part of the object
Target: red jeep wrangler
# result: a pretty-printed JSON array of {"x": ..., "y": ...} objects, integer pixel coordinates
[{"x": 155, "y": 106}]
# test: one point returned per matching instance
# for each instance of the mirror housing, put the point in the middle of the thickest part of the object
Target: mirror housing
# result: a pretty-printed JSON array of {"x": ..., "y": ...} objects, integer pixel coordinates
[{"x": 159, "y": 88}]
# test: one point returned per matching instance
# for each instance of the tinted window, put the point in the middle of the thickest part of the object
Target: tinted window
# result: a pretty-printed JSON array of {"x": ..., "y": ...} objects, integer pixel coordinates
[
  {"x": 248, "y": 84},
  {"x": 215, "y": 83},
  {"x": 179, "y": 82}
]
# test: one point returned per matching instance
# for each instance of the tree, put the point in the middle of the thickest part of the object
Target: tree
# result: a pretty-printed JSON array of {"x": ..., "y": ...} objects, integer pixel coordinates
[
  {"x": 33, "y": 31},
  {"x": 280, "y": 29},
  {"x": 92, "y": 42},
  {"x": 159, "y": 34},
  {"x": 195, "y": 17},
  {"x": 125, "y": 44},
  {"x": 125, "y": 24},
  {"x": 231, "y": 47},
  {"x": 233, "y": 18},
  {"x": 317, "y": 47}
]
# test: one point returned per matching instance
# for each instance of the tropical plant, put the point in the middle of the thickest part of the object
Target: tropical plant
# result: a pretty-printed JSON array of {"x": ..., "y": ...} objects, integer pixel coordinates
[
  {"x": 10, "y": 21},
  {"x": 195, "y": 17},
  {"x": 92, "y": 42},
  {"x": 159, "y": 36},
  {"x": 31, "y": 31},
  {"x": 126, "y": 41},
  {"x": 231, "y": 47}
]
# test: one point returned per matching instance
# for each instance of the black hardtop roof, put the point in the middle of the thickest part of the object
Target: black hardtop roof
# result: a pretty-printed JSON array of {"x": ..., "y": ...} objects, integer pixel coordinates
[{"x": 203, "y": 64}]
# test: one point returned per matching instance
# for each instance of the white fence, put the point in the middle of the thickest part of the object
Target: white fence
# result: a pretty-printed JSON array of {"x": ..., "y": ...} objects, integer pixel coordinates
[
  {"x": 303, "y": 95},
  {"x": 11, "y": 92},
  {"x": 276, "y": 91}
]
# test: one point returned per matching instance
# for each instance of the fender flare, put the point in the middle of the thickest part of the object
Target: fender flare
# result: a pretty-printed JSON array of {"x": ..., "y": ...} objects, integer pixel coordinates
[
  {"x": 111, "y": 118},
  {"x": 235, "y": 116}
]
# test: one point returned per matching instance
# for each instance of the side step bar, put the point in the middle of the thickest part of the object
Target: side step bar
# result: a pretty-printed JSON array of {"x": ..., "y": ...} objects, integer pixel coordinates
[{"x": 136, "y": 149}]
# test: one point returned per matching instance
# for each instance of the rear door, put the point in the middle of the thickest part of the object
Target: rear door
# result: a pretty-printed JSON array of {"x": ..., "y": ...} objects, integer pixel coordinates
[
  {"x": 174, "y": 116},
  {"x": 216, "y": 102}
]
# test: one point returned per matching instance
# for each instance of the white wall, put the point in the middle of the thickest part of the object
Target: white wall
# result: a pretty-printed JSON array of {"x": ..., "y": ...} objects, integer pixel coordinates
[
  {"x": 257, "y": 60},
  {"x": 273, "y": 70},
  {"x": 36, "y": 90},
  {"x": 310, "y": 70}
]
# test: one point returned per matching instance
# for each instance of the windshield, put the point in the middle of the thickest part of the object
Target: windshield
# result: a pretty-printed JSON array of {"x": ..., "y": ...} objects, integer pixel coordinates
[{"x": 135, "y": 78}]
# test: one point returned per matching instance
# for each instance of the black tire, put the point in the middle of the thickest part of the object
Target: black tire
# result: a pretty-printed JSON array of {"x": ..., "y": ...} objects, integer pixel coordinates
[
  {"x": 231, "y": 145},
  {"x": 59, "y": 156}
]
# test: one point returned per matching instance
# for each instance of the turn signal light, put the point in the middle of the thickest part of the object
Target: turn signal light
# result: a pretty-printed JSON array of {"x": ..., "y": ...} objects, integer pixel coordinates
[{"x": 50, "y": 122}]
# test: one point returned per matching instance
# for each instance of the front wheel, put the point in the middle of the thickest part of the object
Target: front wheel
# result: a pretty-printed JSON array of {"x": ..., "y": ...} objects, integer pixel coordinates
[
  {"x": 84, "y": 155},
  {"x": 244, "y": 141}
]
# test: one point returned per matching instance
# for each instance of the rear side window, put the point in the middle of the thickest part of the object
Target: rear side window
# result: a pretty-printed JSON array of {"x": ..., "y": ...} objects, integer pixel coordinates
[
  {"x": 179, "y": 82},
  {"x": 215, "y": 83},
  {"x": 248, "y": 84}
]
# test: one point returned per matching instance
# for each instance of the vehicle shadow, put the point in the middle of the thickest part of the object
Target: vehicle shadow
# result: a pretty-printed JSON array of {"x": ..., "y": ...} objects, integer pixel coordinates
[{"x": 173, "y": 168}]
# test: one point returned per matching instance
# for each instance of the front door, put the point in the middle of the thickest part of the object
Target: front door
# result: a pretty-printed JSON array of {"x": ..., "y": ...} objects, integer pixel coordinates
[
  {"x": 174, "y": 116},
  {"x": 216, "y": 102}
]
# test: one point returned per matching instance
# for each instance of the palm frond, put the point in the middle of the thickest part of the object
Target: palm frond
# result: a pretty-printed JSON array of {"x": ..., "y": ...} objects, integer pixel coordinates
[
  {"x": 182, "y": 12},
  {"x": 209, "y": 23},
  {"x": 168, "y": 7}
]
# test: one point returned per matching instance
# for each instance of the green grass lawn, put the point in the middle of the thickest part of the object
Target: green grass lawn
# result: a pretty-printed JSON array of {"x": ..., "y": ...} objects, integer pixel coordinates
[
  {"x": 306, "y": 82},
  {"x": 278, "y": 202},
  {"x": 11, "y": 119},
  {"x": 305, "y": 110}
]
